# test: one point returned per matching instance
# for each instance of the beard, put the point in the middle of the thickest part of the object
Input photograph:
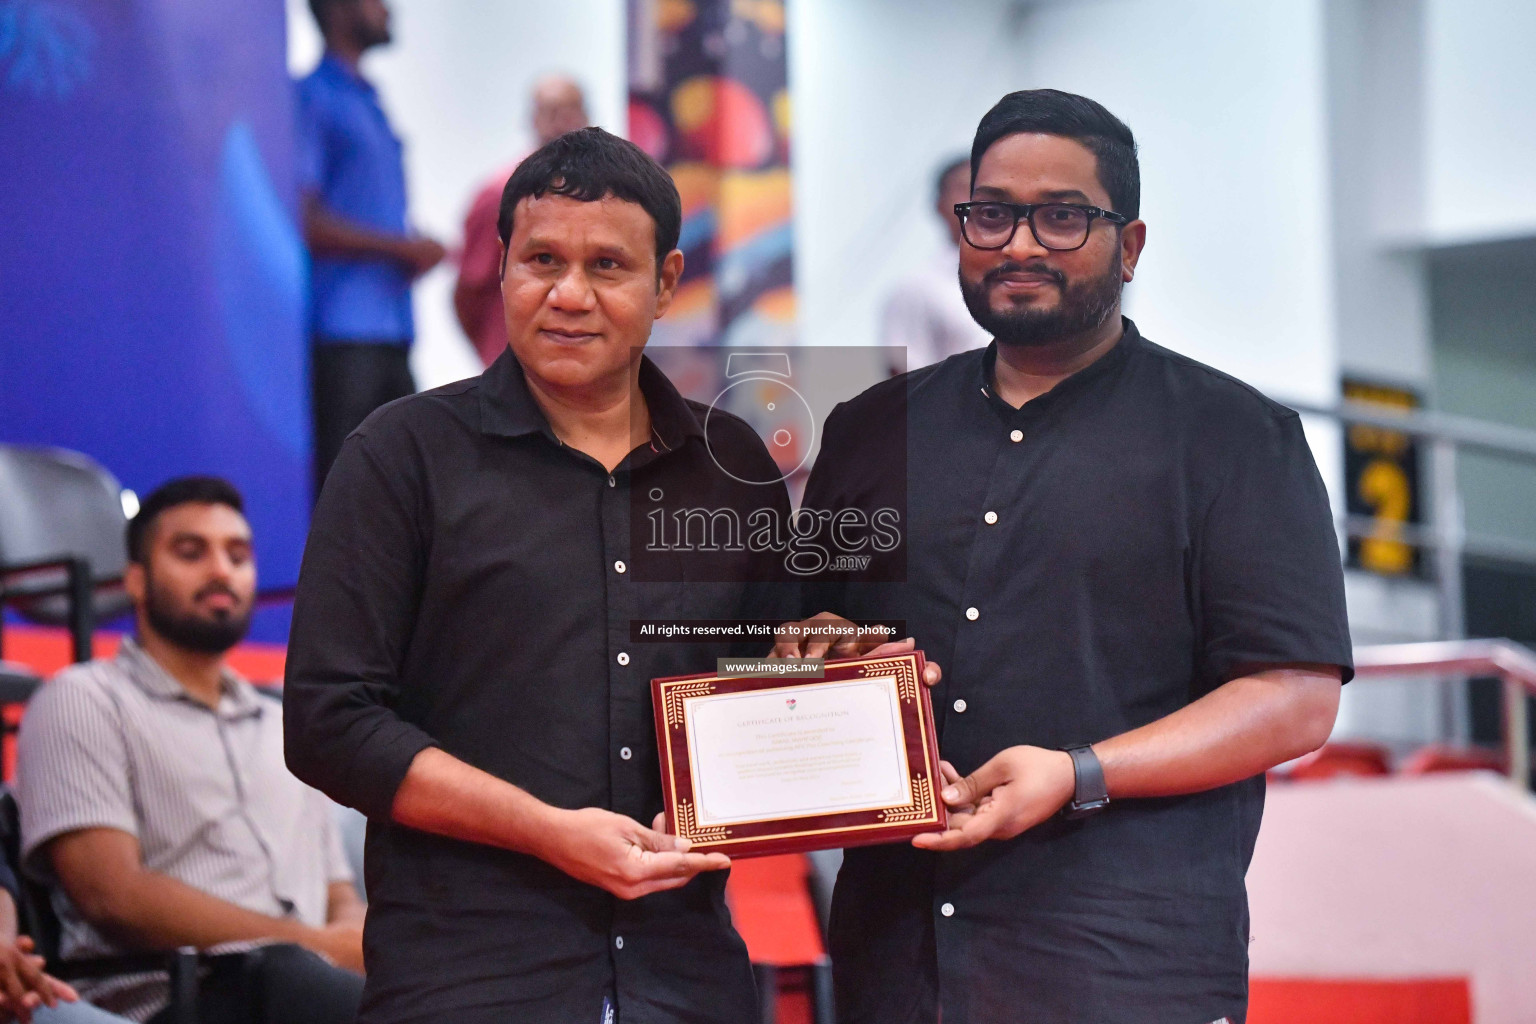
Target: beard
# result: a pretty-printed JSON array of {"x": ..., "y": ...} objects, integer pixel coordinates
[
  {"x": 1084, "y": 306},
  {"x": 205, "y": 635}
]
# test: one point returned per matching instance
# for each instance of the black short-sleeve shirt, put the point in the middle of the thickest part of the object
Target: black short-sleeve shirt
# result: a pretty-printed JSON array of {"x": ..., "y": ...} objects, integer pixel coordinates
[
  {"x": 470, "y": 583},
  {"x": 1081, "y": 566}
]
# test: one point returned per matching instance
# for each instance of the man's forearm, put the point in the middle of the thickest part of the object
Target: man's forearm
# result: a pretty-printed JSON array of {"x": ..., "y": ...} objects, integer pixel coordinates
[
  {"x": 328, "y": 234},
  {"x": 1236, "y": 731},
  {"x": 343, "y": 906},
  {"x": 154, "y": 911},
  {"x": 444, "y": 795}
]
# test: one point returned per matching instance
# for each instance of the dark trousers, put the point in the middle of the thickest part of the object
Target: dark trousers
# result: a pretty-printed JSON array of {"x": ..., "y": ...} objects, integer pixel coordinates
[
  {"x": 276, "y": 985},
  {"x": 348, "y": 381}
]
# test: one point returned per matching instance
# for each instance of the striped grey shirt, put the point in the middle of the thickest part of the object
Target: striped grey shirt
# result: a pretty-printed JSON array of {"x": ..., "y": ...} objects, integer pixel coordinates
[{"x": 120, "y": 744}]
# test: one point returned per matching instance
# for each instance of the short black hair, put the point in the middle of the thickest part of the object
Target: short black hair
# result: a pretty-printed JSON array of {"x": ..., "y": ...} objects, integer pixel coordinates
[
  {"x": 589, "y": 164},
  {"x": 1052, "y": 112},
  {"x": 186, "y": 490},
  {"x": 947, "y": 168},
  {"x": 321, "y": 9}
]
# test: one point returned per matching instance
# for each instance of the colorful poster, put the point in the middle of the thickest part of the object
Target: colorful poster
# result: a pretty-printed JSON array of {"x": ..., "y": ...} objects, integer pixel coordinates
[{"x": 709, "y": 99}]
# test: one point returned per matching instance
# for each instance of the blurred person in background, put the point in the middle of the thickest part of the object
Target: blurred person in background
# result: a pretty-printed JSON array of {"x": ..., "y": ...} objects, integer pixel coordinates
[
  {"x": 363, "y": 255},
  {"x": 558, "y": 107},
  {"x": 155, "y": 800},
  {"x": 925, "y": 314}
]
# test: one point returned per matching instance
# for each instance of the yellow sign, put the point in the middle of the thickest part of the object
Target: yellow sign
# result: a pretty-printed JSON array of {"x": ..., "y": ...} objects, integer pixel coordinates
[{"x": 1381, "y": 471}]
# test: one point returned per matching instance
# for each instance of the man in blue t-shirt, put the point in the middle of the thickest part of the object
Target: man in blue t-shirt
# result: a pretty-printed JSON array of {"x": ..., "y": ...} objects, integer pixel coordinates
[{"x": 363, "y": 255}]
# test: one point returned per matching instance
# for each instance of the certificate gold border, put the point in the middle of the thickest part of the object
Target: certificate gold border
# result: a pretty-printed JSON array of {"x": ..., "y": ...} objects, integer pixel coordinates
[{"x": 923, "y": 810}]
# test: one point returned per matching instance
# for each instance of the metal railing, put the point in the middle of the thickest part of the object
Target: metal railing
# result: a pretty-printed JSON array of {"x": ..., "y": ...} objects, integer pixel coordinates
[
  {"x": 1512, "y": 664},
  {"x": 1445, "y": 538},
  {"x": 1444, "y": 543}
]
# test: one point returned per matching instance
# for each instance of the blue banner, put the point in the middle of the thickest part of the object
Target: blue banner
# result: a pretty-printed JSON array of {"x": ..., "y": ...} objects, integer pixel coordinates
[{"x": 152, "y": 277}]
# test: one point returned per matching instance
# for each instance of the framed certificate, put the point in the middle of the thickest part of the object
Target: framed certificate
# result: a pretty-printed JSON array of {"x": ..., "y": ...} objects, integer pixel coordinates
[{"x": 755, "y": 765}]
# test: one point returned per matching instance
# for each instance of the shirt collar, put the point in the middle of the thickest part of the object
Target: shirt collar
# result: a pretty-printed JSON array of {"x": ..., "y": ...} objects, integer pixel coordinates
[
  {"x": 239, "y": 697},
  {"x": 508, "y": 409},
  {"x": 1082, "y": 378},
  {"x": 333, "y": 66}
]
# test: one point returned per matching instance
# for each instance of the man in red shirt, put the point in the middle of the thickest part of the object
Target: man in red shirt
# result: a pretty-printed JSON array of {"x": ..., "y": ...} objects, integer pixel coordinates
[{"x": 558, "y": 107}]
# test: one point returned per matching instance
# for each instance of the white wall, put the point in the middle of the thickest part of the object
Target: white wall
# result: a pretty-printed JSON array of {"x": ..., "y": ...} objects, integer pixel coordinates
[
  {"x": 884, "y": 91},
  {"x": 1376, "y": 125},
  {"x": 1227, "y": 104},
  {"x": 1480, "y": 135},
  {"x": 455, "y": 84},
  {"x": 1225, "y": 99}
]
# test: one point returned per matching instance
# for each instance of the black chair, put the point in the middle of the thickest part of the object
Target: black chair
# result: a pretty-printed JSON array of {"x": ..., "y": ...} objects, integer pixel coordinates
[
  {"x": 61, "y": 541},
  {"x": 185, "y": 967},
  {"x": 17, "y": 684}
]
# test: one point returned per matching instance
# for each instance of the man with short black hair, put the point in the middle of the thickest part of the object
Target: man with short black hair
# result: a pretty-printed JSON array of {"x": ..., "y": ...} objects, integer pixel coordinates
[
  {"x": 364, "y": 255},
  {"x": 461, "y": 666},
  {"x": 154, "y": 796},
  {"x": 1125, "y": 562}
]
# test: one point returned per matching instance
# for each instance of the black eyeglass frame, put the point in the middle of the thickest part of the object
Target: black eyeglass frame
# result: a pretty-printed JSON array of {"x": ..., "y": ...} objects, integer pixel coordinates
[{"x": 1026, "y": 211}]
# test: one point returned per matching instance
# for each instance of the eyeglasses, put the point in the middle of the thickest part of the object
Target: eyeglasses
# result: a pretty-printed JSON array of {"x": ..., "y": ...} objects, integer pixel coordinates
[{"x": 1059, "y": 227}]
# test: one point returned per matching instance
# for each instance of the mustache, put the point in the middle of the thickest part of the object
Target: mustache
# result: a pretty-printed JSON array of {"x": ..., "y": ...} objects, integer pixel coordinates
[
  {"x": 217, "y": 588},
  {"x": 1010, "y": 267}
]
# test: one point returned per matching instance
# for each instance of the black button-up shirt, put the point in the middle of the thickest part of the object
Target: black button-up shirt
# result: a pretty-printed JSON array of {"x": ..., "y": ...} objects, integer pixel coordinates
[
  {"x": 467, "y": 584},
  {"x": 1080, "y": 566}
]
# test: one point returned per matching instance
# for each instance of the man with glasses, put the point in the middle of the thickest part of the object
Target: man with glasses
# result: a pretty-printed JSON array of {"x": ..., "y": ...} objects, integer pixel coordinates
[{"x": 1126, "y": 565}]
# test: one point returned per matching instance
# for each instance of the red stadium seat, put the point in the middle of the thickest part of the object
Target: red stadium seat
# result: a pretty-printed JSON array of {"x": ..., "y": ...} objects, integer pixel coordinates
[
  {"x": 1336, "y": 759},
  {"x": 1440, "y": 758}
]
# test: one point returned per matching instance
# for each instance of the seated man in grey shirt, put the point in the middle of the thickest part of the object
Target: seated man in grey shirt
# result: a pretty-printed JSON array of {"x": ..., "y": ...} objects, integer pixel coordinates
[{"x": 155, "y": 799}]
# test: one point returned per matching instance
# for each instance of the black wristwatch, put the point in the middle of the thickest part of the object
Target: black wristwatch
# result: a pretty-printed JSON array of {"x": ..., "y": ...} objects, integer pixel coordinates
[{"x": 1089, "y": 794}]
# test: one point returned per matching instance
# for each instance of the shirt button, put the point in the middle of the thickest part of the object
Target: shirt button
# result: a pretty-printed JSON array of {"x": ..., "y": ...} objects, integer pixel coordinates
[
  {"x": 948, "y": 910},
  {"x": 623, "y": 658},
  {"x": 626, "y": 753},
  {"x": 1015, "y": 437},
  {"x": 619, "y": 566},
  {"x": 960, "y": 706},
  {"x": 990, "y": 517},
  {"x": 614, "y": 483},
  {"x": 618, "y": 942},
  {"x": 972, "y": 614}
]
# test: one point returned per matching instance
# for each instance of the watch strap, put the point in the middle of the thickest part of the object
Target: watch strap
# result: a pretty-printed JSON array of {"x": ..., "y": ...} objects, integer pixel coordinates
[{"x": 1089, "y": 793}]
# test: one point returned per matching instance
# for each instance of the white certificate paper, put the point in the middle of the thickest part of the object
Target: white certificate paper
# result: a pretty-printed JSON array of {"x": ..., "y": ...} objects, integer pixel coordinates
[{"x": 797, "y": 751}]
